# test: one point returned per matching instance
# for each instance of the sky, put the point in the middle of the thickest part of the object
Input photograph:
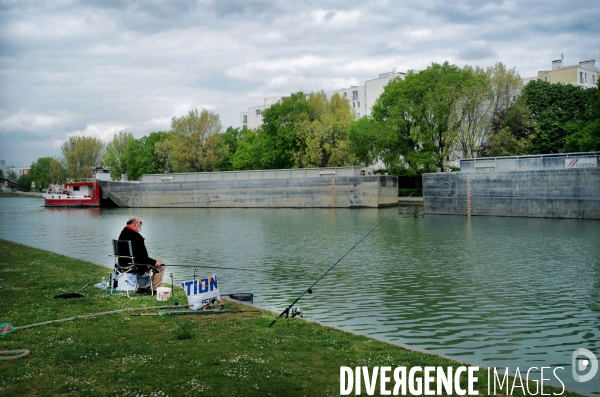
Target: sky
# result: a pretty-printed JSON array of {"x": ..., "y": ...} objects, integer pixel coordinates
[{"x": 97, "y": 67}]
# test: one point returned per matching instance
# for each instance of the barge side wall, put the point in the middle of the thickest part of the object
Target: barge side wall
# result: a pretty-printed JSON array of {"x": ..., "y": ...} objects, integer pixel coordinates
[
  {"x": 567, "y": 193},
  {"x": 325, "y": 192}
]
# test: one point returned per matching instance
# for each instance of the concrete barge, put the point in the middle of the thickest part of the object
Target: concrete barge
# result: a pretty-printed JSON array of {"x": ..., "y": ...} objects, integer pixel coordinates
[
  {"x": 346, "y": 187},
  {"x": 543, "y": 186}
]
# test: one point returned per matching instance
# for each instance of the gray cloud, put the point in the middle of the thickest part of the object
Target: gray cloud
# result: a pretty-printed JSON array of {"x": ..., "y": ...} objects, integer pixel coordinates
[{"x": 96, "y": 67}]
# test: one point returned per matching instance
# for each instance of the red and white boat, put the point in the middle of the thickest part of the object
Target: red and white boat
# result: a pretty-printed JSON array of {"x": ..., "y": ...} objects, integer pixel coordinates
[{"x": 85, "y": 193}]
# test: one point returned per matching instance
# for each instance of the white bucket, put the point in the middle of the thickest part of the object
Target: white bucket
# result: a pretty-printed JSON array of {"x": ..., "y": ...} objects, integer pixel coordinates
[{"x": 163, "y": 293}]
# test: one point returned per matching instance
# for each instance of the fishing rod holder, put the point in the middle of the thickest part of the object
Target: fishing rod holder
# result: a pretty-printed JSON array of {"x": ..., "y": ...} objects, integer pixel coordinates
[{"x": 296, "y": 311}]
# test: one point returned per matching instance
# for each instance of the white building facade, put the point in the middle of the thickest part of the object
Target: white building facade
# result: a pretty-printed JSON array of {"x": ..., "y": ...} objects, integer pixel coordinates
[
  {"x": 253, "y": 117},
  {"x": 361, "y": 98}
]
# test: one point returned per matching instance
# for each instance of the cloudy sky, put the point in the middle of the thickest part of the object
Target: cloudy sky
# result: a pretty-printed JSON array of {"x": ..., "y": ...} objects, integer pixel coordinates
[{"x": 94, "y": 68}]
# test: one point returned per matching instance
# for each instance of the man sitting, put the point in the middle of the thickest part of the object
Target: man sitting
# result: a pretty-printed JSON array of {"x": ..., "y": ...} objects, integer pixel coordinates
[{"x": 131, "y": 232}]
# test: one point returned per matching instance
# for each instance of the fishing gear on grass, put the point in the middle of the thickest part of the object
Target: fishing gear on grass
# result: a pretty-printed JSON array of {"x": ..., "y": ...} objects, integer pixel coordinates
[{"x": 298, "y": 312}]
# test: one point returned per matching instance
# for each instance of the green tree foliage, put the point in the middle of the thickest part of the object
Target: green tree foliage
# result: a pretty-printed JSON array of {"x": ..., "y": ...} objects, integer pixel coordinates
[
  {"x": 277, "y": 138},
  {"x": 80, "y": 155},
  {"x": 25, "y": 180},
  {"x": 248, "y": 153},
  {"x": 115, "y": 156},
  {"x": 194, "y": 143},
  {"x": 12, "y": 176},
  {"x": 510, "y": 132},
  {"x": 229, "y": 144},
  {"x": 364, "y": 137},
  {"x": 321, "y": 133},
  {"x": 585, "y": 134},
  {"x": 515, "y": 134},
  {"x": 555, "y": 108},
  {"x": 301, "y": 131},
  {"x": 142, "y": 157},
  {"x": 506, "y": 85},
  {"x": 472, "y": 114},
  {"x": 415, "y": 122},
  {"x": 46, "y": 171}
]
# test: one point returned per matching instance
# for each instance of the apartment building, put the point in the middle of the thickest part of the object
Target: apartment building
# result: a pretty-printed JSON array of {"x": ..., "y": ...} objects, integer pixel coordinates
[
  {"x": 584, "y": 75},
  {"x": 19, "y": 170},
  {"x": 361, "y": 99},
  {"x": 253, "y": 117}
]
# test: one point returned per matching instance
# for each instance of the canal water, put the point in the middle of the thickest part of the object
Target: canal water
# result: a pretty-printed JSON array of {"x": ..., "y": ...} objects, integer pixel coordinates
[{"x": 504, "y": 292}]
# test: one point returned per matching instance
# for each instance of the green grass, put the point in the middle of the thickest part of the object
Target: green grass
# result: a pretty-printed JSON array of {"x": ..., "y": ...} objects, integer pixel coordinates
[{"x": 234, "y": 354}]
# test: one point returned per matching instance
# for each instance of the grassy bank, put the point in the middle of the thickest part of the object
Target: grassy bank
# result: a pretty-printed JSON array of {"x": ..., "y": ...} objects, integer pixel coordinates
[{"x": 125, "y": 355}]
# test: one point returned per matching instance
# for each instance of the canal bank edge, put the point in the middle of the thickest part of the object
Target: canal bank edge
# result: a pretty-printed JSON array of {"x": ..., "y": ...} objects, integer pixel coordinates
[{"x": 22, "y": 259}]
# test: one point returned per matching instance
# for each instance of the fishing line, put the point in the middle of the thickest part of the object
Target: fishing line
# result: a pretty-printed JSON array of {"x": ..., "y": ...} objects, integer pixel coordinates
[
  {"x": 286, "y": 311},
  {"x": 215, "y": 267}
]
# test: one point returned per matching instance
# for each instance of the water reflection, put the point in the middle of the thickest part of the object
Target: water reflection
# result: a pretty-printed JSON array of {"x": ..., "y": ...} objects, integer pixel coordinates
[{"x": 497, "y": 291}]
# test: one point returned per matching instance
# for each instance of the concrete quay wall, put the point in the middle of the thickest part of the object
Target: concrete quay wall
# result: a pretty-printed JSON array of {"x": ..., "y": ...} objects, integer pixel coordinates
[
  {"x": 321, "y": 192},
  {"x": 566, "y": 193}
]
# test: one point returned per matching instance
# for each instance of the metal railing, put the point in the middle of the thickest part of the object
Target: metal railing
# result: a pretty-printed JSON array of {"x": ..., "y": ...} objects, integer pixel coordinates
[
  {"x": 258, "y": 174},
  {"x": 531, "y": 163}
]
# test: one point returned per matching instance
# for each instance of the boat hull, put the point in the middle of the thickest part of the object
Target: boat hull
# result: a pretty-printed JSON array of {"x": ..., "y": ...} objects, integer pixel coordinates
[
  {"x": 321, "y": 192},
  {"x": 74, "y": 202}
]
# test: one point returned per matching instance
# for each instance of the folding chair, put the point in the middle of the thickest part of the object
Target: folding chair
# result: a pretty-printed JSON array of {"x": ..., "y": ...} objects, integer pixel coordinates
[{"x": 122, "y": 249}]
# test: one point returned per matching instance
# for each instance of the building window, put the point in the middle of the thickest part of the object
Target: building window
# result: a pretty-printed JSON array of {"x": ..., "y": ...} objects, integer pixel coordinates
[
  {"x": 345, "y": 94},
  {"x": 358, "y": 105},
  {"x": 358, "y": 115},
  {"x": 594, "y": 79},
  {"x": 353, "y": 105},
  {"x": 258, "y": 112},
  {"x": 245, "y": 119},
  {"x": 581, "y": 77},
  {"x": 546, "y": 78},
  {"x": 354, "y": 95}
]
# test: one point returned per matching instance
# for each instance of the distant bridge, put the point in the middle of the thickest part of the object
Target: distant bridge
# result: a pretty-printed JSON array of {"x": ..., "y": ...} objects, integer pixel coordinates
[{"x": 14, "y": 185}]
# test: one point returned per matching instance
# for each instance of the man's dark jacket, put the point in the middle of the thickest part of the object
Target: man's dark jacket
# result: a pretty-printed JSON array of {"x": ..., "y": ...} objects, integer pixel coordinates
[{"x": 140, "y": 254}]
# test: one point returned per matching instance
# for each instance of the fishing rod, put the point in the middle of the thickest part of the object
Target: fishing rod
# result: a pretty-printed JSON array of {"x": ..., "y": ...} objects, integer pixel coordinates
[
  {"x": 215, "y": 267},
  {"x": 286, "y": 311}
]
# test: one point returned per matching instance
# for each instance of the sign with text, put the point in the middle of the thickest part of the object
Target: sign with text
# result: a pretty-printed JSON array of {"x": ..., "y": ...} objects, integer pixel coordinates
[
  {"x": 201, "y": 291},
  {"x": 581, "y": 162}
]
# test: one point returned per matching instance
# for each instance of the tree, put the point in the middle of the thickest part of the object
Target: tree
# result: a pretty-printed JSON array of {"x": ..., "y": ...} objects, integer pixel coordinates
[
  {"x": 115, "y": 155},
  {"x": 553, "y": 107},
  {"x": 1, "y": 174},
  {"x": 24, "y": 180},
  {"x": 515, "y": 134},
  {"x": 415, "y": 121},
  {"x": 81, "y": 154},
  {"x": 12, "y": 176},
  {"x": 277, "y": 138},
  {"x": 143, "y": 158},
  {"x": 229, "y": 143},
  {"x": 363, "y": 135},
  {"x": 321, "y": 133},
  {"x": 46, "y": 171},
  {"x": 248, "y": 153},
  {"x": 506, "y": 85},
  {"x": 473, "y": 113},
  {"x": 273, "y": 144},
  {"x": 194, "y": 143},
  {"x": 585, "y": 134}
]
